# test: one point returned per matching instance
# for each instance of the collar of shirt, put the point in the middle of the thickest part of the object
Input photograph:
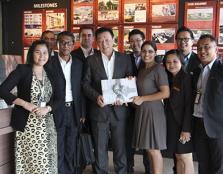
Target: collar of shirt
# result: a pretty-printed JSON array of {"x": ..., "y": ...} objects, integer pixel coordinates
[
  {"x": 63, "y": 62},
  {"x": 210, "y": 64},
  {"x": 137, "y": 59},
  {"x": 86, "y": 52},
  {"x": 109, "y": 64},
  {"x": 187, "y": 57}
]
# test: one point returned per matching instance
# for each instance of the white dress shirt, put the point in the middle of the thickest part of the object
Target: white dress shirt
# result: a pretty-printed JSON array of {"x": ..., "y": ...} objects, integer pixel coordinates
[
  {"x": 87, "y": 53},
  {"x": 201, "y": 86},
  {"x": 109, "y": 64},
  {"x": 66, "y": 67}
]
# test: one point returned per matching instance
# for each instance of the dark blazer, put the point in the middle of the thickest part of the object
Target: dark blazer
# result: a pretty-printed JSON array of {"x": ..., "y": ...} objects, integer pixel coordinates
[
  {"x": 22, "y": 78},
  {"x": 94, "y": 73},
  {"x": 193, "y": 63},
  {"x": 180, "y": 100},
  {"x": 78, "y": 53},
  {"x": 76, "y": 77},
  {"x": 213, "y": 100}
]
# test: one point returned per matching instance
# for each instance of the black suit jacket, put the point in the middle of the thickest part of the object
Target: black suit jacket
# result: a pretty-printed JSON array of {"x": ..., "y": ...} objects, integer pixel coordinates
[
  {"x": 213, "y": 100},
  {"x": 76, "y": 77},
  {"x": 94, "y": 73},
  {"x": 22, "y": 78},
  {"x": 193, "y": 63},
  {"x": 78, "y": 53},
  {"x": 180, "y": 101}
]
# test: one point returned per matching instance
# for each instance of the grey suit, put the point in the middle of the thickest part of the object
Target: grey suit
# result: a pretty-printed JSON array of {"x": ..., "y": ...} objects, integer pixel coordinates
[
  {"x": 108, "y": 120},
  {"x": 208, "y": 131}
]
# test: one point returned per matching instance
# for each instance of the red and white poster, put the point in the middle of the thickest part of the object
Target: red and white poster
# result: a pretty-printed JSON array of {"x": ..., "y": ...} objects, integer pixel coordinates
[
  {"x": 37, "y": 21},
  {"x": 200, "y": 17},
  {"x": 220, "y": 23}
]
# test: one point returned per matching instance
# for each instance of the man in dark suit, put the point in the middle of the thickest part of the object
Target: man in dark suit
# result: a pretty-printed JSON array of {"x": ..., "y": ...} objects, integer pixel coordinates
[
  {"x": 136, "y": 39},
  {"x": 107, "y": 120},
  {"x": 86, "y": 43},
  {"x": 69, "y": 71},
  {"x": 208, "y": 110},
  {"x": 185, "y": 40},
  {"x": 49, "y": 37}
]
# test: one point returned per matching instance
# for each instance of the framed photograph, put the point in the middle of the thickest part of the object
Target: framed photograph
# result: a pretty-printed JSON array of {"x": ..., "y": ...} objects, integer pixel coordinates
[
  {"x": 122, "y": 90},
  {"x": 83, "y": 15},
  {"x": 108, "y": 10},
  {"x": 161, "y": 12},
  {"x": 56, "y": 20},
  {"x": 82, "y": 1},
  {"x": 198, "y": 32},
  {"x": 200, "y": 17},
  {"x": 205, "y": 14},
  {"x": 220, "y": 23},
  {"x": 164, "y": 36},
  {"x": 135, "y": 12}
]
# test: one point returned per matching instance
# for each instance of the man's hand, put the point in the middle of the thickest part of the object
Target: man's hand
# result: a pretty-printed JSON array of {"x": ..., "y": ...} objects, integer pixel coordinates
[{"x": 100, "y": 101}]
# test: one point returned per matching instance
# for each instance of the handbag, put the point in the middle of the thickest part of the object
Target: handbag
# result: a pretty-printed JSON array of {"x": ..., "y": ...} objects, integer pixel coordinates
[{"x": 85, "y": 144}]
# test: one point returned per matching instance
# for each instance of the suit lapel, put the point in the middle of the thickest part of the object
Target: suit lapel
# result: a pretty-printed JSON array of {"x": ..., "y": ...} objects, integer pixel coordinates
[
  {"x": 100, "y": 65},
  {"x": 59, "y": 68},
  {"x": 117, "y": 66}
]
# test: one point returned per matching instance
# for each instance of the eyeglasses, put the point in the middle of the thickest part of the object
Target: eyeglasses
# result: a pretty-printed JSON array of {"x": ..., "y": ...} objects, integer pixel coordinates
[
  {"x": 135, "y": 41},
  {"x": 183, "y": 39},
  {"x": 206, "y": 48},
  {"x": 68, "y": 43}
]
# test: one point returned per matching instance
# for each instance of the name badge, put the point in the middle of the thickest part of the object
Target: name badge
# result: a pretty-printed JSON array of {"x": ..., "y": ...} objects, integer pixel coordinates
[
  {"x": 198, "y": 97},
  {"x": 42, "y": 104}
]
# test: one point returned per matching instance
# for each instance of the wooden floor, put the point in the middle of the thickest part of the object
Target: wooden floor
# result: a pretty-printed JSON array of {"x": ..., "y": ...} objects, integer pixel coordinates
[{"x": 139, "y": 168}]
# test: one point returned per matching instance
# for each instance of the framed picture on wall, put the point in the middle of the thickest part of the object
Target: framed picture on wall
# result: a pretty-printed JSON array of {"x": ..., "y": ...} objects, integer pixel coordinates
[
  {"x": 220, "y": 23},
  {"x": 164, "y": 36},
  {"x": 56, "y": 20},
  {"x": 135, "y": 11},
  {"x": 166, "y": 11},
  {"x": 200, "y": 17},
  {"x": 32, "y": 26},
  {"x": 108, "y": 11},
  {"x": 82, "y": 12}
]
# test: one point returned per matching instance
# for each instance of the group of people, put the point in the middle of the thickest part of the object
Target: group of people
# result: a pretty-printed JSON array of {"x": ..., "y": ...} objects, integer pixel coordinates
[{"x": 178, "y": 107}]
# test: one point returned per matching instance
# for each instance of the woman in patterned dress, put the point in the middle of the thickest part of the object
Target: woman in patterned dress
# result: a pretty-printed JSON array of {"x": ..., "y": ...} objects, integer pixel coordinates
[
  {"x": 32, "y": 116},
  {"x": 150, "y": 121}
]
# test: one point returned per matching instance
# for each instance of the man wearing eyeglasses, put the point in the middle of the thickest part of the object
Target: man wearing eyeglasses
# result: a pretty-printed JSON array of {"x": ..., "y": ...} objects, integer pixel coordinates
[
  {"x": 208, "y": 107},
  {"x": 136, "y": 39},
  {"x": 69, "y": 115},
  {"x": 185, "y": 40}
]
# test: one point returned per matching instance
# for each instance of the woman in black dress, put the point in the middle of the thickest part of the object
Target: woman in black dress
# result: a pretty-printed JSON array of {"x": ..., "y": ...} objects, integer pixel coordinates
[{"x": 178, "y": 109}]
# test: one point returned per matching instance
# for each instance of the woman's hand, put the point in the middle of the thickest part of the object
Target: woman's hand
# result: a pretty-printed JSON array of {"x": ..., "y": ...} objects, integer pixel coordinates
[
  {"x": 29, "y": 106},
  {"x": 40, "y": 111},
  {"x": 138, "y": 100},
  {"x": 184, "y": 137}
]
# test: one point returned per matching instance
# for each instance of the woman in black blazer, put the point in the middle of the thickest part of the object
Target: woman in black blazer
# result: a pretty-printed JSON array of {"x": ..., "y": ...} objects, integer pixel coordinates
[
  {"x": 32, "y": 116},
  {"x": 178, "y": 109}
]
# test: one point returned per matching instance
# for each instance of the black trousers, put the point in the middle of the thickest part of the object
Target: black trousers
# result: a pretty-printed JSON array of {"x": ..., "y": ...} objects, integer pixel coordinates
[
  {"x": 102, "y": 131},
  {"x": 209, "y": 150},
  {"x": 67, "y": 143}
]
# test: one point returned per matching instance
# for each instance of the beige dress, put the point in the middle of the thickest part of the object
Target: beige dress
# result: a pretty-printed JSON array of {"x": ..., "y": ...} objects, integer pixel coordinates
[
  {"x": 36, "y": 147},
  {"x": 150, "y": 121}
]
